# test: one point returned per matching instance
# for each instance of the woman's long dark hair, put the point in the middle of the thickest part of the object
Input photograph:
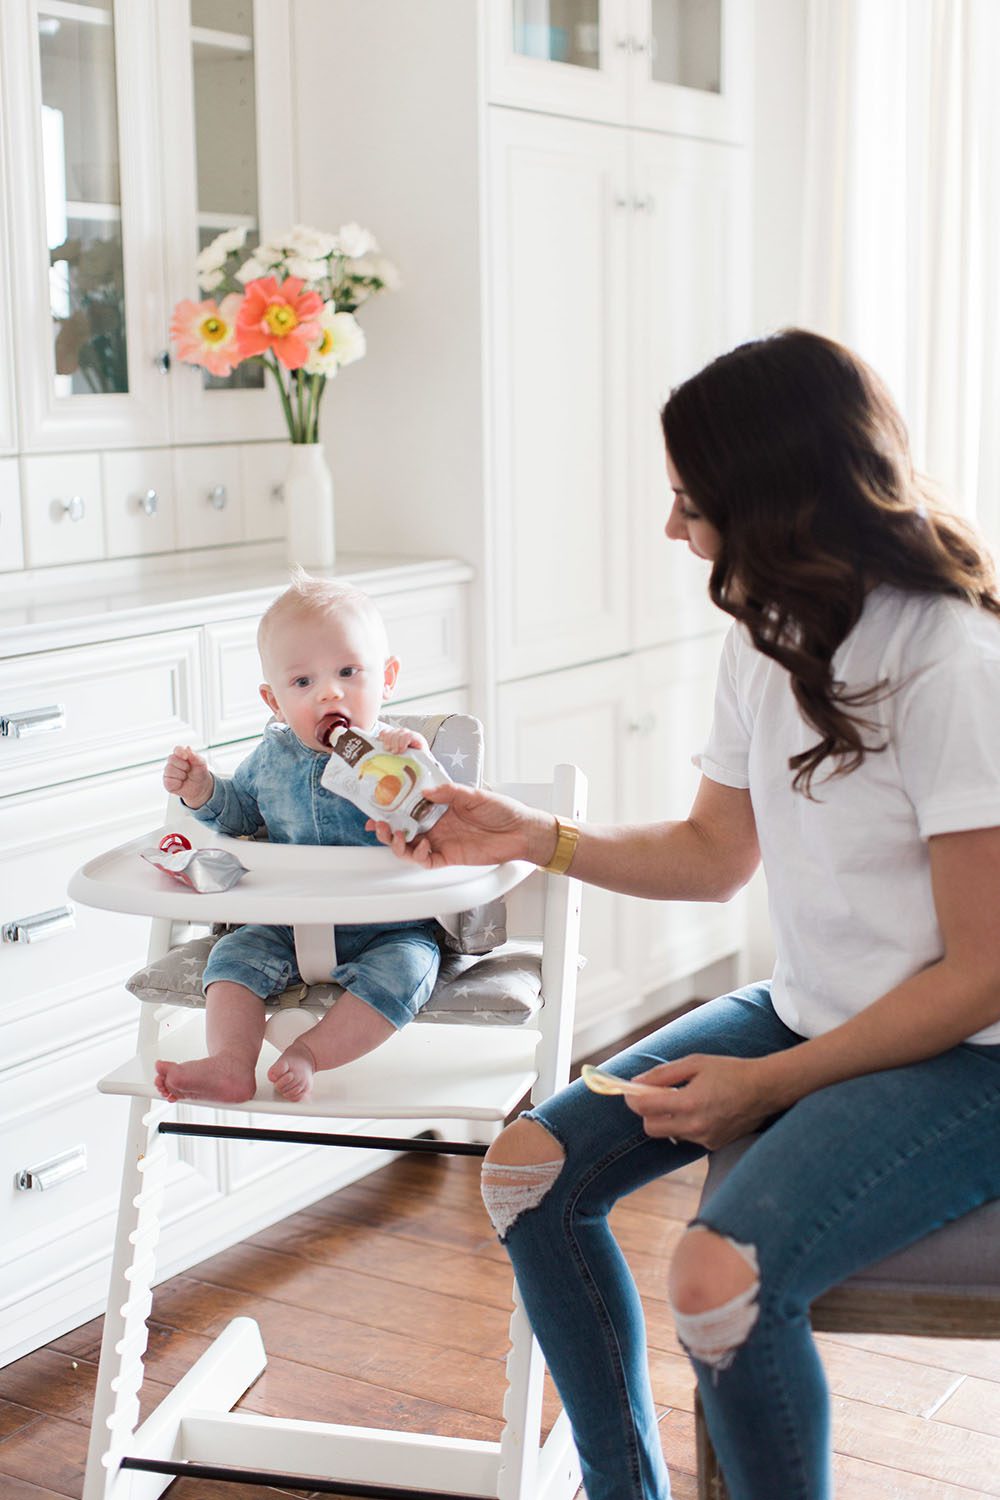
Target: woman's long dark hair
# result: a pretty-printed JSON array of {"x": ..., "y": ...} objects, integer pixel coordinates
[{"x": 792, "y": 447}]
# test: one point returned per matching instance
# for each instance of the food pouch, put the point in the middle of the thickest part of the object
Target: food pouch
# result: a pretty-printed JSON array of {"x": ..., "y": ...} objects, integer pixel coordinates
[
  {"x": 203, "y": 870},
  {"x": 387, "y": 786}
]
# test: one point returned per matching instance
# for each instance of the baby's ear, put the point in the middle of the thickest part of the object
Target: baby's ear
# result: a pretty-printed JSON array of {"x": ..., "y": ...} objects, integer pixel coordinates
[
  {"x": 391, "y": 673},
  {"x": 269, "y": 699}
]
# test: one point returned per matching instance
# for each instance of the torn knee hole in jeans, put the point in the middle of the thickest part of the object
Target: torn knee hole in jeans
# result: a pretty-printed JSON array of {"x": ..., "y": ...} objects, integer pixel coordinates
[
  {"x": 510, "y": 1189},
  {"x": 715, "y": 1335}
]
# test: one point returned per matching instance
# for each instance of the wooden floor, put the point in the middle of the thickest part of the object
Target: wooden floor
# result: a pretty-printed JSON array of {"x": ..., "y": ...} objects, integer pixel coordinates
[{"x": 387, "y": 1303}]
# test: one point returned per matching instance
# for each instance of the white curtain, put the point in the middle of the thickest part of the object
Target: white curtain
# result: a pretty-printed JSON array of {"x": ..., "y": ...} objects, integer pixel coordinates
[{"x": 902, "y": 219}]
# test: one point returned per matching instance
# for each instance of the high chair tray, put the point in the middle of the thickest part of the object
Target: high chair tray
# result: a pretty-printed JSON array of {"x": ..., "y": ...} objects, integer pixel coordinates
[
  {"x": 424, "y": 1072},
  {"x": 291, "y": 883}
]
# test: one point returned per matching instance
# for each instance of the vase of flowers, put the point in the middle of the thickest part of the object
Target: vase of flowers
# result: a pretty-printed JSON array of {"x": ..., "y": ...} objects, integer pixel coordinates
[{"x": 288, "y": 304}]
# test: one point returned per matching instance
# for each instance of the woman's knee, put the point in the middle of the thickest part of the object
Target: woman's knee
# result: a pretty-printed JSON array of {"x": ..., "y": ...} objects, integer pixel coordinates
[
  {"x": 714, "y": 1287},
  {"x": 519, "y": 1169}
]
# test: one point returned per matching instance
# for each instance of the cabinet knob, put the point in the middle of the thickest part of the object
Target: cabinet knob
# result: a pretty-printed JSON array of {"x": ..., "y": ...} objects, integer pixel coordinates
[
  {"x": 75, "y": 507},
  {"x": 149, "y": 503},
  {"x": 278, "y": 494},
  {"x": 217, "y": 497},
  {"x": 161, "y": 361},
  {"x": 625, "y": 44},
  {"x": 27, "y": 721},
  {"x": 645, "y": 205},
  {"x": 645, "y": 725},
  {"x": 43, "y": 924}
]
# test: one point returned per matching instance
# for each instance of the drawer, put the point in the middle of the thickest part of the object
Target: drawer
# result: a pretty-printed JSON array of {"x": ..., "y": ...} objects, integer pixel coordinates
[
  {"x": 140, "y": 508},
  {"x": 427, "y": 631},
  {"x": 63, "y": 508},
  {"x": 46, "y": 1111},
  {"x": 43, "y": 841},
  {"x": 232, "y": 678},
  {"x": 263, "y": 467},
  {"x": 124, "y": 702},
  {"x": 209, "y": 505},
  {"x": 11, "y": 543}
]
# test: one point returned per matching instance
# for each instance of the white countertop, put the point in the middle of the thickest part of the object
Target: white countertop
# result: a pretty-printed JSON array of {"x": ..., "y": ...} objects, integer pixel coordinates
[{"x": 71, "y": 606}]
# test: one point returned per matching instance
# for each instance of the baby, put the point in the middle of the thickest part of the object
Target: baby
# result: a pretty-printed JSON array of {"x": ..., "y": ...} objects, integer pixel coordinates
[{"x": 326, "y": 660}]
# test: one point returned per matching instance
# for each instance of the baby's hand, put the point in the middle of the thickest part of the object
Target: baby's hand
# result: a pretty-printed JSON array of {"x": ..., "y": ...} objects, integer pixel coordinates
[
  {"x": 396, "y": 740},
  {"x": 187, "y": 776}
]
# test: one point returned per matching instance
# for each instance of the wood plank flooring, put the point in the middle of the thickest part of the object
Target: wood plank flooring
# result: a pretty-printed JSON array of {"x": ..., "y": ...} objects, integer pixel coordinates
[{"x": 387, "y": 1304}]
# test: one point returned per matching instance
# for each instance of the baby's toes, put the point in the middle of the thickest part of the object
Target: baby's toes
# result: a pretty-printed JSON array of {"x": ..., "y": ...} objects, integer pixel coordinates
[{"x": 276, "y": 1072}]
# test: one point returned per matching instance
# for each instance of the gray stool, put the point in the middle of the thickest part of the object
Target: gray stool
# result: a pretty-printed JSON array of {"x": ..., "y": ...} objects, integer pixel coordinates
[{"x": 946, "y": 1285}]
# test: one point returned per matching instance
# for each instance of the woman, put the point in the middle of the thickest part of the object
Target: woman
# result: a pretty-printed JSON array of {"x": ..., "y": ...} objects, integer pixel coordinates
[{"x": 856, "y": 750}]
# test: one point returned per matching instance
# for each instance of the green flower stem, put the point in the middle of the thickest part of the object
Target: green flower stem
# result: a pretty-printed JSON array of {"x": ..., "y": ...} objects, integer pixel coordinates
[
  {"x": 271, "y": 364},
  {"x": 317, "y": 384}
]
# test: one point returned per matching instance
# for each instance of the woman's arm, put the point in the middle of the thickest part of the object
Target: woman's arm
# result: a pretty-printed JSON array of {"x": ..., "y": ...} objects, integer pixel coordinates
[
  {"x": 707, "y": 856},
  {"x": 927, "y": 1014}
]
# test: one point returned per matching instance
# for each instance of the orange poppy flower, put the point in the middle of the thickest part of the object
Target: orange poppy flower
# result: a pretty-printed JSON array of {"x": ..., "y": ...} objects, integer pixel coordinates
[{"x": 279, "y": 316}]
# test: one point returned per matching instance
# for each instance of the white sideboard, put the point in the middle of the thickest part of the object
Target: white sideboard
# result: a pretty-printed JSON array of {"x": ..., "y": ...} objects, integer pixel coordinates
[{"x": 97, "y": 683}]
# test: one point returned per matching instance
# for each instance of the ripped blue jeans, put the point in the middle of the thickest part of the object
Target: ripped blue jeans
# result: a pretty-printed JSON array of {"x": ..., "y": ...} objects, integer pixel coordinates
[{"x": 845, "y": 1177}]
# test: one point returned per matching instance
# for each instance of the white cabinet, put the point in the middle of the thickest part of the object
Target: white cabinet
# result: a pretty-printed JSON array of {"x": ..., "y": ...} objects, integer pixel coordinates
[
  {"x": 84, "y": 728},
  {"x": 559, "y": 293},
  {"x": 677, "y": 65},
  {"x": 8, "y": 431},
  {"x": 138, "y": 132},
  {"x": 634, "y": 723},
  {"x": 638, "y": 229},
  {"x": 11, "y": 540}
]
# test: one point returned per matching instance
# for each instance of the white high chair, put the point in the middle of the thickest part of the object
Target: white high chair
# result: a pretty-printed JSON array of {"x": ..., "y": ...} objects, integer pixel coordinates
[{"x": 434, "y": 1072}]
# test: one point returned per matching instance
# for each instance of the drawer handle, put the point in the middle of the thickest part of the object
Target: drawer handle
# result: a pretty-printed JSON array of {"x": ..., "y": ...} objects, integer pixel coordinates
[
  {"x": 43, "y": 924},
  {"x": 52, "y": 1172},
  {"x": 217, "y": 497},
  {"x": 28, "y": 721},
  {"x": 149, "y": 503}
]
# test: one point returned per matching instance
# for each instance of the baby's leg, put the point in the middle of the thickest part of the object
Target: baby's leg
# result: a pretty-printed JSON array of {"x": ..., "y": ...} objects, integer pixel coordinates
[
  {"x": 348, "y": 1030},
  {"x": 387, "y": 973},
  {"x": 234, "y": 1026}
]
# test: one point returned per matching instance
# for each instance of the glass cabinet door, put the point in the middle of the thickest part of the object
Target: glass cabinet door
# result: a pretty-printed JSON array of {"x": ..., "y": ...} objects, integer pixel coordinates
[
  {"x": 86, "y": 216},
  {"x": 692, "y": 63},
  {"x": 561, "y": 56},
  {"x": 8, "y": 430},
  {"x": 227, "y": 168}
]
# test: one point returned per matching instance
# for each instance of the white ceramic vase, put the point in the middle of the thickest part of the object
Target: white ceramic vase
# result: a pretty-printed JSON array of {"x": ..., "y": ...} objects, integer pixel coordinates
[{"x": 308, "y": 491}]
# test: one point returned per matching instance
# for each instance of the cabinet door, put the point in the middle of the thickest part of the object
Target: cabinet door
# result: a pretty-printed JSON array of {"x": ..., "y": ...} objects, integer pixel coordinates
[
  {"x": 85, "y": 223},
  {"x": 226, "y": 72},
  {"x": 690, "y": 67},
  {"x": 581, "y": 717},
  {"x": 675, "y": 695},
  {"x": 689, "y": 277},
  {"x": 557, "y": 315},
  {"x": 568, "y": 57}
]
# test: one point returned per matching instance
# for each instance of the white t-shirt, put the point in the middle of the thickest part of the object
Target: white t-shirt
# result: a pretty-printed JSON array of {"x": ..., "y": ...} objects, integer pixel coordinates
[{"x": 848, "y": 875}]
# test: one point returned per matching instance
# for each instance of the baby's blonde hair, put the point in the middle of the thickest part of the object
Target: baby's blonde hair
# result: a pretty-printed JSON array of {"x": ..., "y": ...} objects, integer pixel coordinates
[{"x": 320, "y": 598}]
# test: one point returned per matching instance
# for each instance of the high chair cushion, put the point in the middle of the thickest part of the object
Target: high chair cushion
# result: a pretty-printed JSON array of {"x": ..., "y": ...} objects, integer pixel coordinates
[{"x": 501, "y": 989}]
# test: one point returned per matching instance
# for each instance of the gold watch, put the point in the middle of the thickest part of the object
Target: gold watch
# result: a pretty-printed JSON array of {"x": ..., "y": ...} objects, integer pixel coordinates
[{"x": 568, "y": 836}]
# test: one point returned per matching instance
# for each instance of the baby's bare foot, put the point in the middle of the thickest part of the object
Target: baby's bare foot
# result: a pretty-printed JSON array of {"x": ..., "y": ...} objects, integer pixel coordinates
[
  {"x": 224, "y": 1078},
  {"x": 292, "y": 1074}
]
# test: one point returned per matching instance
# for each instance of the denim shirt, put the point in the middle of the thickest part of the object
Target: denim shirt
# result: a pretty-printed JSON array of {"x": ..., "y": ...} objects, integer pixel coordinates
[{"x": 278, "y": 788}]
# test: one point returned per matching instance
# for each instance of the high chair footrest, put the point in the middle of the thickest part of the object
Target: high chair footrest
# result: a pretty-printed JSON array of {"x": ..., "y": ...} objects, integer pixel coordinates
[
  {"x": 323, "y": 1138},
  {"x": 222, "y": 1474}
]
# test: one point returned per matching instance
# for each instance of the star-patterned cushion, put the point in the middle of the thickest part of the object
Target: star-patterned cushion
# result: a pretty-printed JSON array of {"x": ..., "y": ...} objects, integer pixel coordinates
[{"x": 502, "y": 989}]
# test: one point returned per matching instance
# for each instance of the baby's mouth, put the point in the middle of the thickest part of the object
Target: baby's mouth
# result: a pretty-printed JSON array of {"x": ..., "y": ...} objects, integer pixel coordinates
[{"x": 328, "y": 724}]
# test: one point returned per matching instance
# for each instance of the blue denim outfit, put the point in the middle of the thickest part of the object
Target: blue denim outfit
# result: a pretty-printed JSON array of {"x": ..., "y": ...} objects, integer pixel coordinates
[
  {"x": 848, "y": 1175},
  {"x": 392, "y": 967}
]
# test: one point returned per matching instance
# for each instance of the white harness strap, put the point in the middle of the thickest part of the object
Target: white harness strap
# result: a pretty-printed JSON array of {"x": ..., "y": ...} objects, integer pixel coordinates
[{"x": 315, "y": 953}]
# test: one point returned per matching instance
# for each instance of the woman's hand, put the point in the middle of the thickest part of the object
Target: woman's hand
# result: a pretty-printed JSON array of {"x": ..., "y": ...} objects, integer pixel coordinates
[
  {"x": 479, "y": 828},
  {"x": 187, "y": 776},
  {"x": 710, "y": 1100}
]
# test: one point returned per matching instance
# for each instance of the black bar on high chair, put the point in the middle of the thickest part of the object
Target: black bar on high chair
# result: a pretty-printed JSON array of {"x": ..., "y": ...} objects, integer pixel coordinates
[
  {"x": 319, "y": 1138},
  {"x": 187, "y": 1469}
]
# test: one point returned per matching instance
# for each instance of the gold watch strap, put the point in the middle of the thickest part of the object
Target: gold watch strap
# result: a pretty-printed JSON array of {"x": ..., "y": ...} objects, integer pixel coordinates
[{"x": 566, "y": 842}]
